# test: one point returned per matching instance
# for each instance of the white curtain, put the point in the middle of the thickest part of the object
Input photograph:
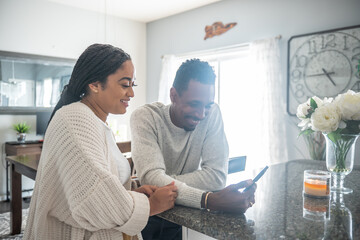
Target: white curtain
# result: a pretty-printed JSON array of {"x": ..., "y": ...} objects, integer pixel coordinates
[
  {"x": 265, "y": 58},
  {"x": 167, "y": 75}
]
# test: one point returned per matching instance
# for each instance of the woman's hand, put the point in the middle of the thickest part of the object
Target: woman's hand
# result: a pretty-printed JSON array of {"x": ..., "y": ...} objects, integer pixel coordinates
[
  {"x": 231, "y": 200},
  {"x": 163, "y": 199},
  {"x": 148, "y": 190}
]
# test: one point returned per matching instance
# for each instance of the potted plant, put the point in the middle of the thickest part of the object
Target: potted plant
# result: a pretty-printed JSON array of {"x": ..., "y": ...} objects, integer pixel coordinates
[{"x": 21, "y": 129}]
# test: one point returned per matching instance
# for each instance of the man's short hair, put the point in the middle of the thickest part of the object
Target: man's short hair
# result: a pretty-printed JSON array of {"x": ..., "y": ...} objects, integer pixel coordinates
[{"x": 196, "y": 70}]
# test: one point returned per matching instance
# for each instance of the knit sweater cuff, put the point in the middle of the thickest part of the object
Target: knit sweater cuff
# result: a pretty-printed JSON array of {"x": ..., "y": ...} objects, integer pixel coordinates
[
  {"x": 190, "y": 198},
  {"x": 139, "y": 217}
]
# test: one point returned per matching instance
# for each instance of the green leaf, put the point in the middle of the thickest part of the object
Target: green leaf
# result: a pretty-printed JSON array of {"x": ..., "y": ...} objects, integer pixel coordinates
[
  {"x": 306, "y": 132},
  {"x": 352, "y": 127},
  {"x": 21, "y": 127},
  {"x": 313, "y": 104},
  {"x": 334, "y": 136}
]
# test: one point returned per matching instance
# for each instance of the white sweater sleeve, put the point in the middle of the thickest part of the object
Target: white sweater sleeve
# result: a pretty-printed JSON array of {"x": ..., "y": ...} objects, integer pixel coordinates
[
  {"x": 149, "y": 161},
  {"x": 96, "y": 197}
]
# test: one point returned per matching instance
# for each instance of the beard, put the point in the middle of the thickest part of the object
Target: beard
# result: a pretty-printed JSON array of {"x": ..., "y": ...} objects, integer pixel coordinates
[{"x": 189, "y": 129}]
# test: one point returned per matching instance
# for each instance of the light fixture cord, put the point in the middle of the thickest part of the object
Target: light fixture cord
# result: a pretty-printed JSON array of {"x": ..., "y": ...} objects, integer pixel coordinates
[{"x": 105, "y": 19}]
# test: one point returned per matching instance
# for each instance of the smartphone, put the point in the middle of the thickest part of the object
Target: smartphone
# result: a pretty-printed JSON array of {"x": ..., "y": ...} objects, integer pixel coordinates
[{"x": 257, "y": 178}]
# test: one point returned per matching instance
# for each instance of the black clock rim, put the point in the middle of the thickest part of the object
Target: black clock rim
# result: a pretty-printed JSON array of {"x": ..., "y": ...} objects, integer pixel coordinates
[{"x": 288, "y": 59}]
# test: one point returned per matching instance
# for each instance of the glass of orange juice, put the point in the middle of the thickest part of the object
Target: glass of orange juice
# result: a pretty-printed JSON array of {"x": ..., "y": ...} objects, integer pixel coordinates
[{"x": 317, "y": 183}]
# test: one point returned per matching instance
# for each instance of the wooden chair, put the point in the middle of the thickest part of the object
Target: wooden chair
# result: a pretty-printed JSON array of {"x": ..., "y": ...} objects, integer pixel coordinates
[
  {"x": 236, "y": 164},
  {"x": 125, "y": 147}
]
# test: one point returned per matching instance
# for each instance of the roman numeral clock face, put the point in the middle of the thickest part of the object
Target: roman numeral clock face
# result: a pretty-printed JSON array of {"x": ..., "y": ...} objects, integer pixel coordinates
[{"x": 323, "y": 64}]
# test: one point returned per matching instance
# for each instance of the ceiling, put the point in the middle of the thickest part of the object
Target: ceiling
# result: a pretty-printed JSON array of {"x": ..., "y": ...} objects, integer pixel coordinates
[{"x": 138, "y": 10}]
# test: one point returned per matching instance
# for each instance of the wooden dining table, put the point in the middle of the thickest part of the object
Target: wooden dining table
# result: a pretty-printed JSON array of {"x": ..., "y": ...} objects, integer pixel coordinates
[{"x": 19, "y": 165}]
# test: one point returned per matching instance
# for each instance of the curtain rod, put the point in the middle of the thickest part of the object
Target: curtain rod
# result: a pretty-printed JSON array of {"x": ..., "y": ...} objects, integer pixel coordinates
[
  {"x": 217, "y": 49},
  {"x": 209, "y": 50}
]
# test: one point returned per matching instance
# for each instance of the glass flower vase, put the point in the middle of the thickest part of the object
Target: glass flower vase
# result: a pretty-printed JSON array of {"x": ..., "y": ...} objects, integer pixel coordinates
[
  {"x": 340, "y": 153},
  {"x": 316, "y": 145}
]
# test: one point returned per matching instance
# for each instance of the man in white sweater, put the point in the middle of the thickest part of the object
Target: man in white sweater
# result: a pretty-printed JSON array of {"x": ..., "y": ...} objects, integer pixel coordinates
[{"x": 185, "y": 142}]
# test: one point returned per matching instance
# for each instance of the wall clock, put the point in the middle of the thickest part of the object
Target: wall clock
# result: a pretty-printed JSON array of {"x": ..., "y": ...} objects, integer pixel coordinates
[{"x": 322, "y": 64}]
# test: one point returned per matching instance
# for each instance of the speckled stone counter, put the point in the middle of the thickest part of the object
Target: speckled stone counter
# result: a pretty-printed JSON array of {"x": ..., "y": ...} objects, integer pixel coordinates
[{"x": 281, "y": 211}]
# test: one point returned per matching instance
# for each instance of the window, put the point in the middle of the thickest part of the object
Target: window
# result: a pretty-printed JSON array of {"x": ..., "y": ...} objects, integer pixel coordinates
[
  {"x": 249, "y": 89},
  {"x": 232, "y": 86}
]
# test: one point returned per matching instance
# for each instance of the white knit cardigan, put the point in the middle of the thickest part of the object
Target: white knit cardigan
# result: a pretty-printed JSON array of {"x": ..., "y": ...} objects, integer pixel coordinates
[{"x": 77, "y": 193}]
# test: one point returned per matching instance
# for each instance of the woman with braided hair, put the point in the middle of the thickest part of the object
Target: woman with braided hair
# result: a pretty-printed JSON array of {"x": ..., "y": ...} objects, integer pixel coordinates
[{"x": 80, "y": 188}]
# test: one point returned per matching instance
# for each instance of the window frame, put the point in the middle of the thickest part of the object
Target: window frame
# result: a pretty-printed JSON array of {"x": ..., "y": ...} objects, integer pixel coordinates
[{"x": 32, "y": 59}]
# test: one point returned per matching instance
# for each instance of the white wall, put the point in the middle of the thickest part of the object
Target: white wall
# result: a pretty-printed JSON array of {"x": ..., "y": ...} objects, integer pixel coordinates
[
  {"x": 256, "y": 19},
  {"x": 46, "y": 28}
]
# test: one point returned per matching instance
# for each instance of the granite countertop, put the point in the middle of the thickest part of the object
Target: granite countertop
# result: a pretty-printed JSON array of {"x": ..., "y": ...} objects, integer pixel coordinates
[{"x": 281, "y": 211}]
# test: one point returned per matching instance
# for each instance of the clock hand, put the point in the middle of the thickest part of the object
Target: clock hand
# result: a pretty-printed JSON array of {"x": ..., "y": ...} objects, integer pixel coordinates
[
  {"x": 319, "y": 74},
  {"x": 327, "y": 74}
]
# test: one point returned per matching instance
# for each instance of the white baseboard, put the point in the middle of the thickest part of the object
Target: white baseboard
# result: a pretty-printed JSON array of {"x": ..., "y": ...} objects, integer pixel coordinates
[{"x": 189, "y": 234}]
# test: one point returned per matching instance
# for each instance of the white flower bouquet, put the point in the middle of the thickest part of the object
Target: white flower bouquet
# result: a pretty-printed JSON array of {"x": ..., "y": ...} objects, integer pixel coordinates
[
  {"x": 338, "y": 119},
  {"x": 328, "y": 115}
]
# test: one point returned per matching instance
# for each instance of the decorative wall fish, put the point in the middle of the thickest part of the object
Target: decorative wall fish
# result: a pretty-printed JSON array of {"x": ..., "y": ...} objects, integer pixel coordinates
[{"x": 217, "y": 28}]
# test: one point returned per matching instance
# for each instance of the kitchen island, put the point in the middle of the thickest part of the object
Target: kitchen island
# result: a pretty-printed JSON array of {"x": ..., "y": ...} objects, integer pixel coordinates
[{"x": 281, "y": 211}]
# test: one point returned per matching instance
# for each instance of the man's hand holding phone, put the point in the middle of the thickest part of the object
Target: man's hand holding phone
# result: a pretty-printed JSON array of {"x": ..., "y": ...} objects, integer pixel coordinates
[
  {"x": 257, "y": 177},
  {"x": 230, "y": 199}
]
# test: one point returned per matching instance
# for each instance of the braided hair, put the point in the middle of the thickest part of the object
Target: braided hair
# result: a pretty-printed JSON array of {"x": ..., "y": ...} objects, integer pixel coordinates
[{"x": 96, "y": 63}]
